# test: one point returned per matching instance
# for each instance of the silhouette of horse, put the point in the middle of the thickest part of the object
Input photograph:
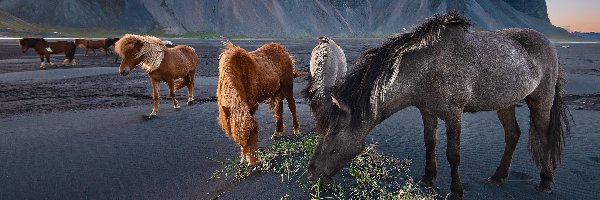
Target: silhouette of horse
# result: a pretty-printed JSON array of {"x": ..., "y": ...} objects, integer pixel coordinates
[
  {"x": 45, "y": 48},
  {"x": 444, "y": 70},
  {"x": 93, "y": 45},
  {"x": 245, "y": 80},
  {"x": 175, "y": 66},
  {"x": 327, "y": 68}
]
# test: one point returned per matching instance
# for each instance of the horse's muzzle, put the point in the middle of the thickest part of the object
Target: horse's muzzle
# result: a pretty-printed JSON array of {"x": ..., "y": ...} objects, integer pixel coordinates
[{"x": 124, "y": 72}]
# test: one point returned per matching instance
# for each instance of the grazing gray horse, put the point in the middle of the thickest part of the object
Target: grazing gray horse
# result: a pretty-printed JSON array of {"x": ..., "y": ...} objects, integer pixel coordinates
[
  {"x": 327, "y": 68},
  {"x": 444, "y": 70}
]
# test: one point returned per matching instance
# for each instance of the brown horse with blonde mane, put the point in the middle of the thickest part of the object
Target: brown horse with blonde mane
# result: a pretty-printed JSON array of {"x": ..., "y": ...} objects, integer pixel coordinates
[
  {"x": 45, "y": 48},
  {"x": 93, "y": 45},
  {"x": 245, "y": 80},
  {"x": 175, "y": 66}
]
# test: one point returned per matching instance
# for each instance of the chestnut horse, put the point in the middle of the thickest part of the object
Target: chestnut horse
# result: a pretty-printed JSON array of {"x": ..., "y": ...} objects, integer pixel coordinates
[
  {"x": 175, "y": 66},
  {"x": 92, "y": 44},
  {"x": 45, "y": 48},
  {"x": 245, "y": 80}
]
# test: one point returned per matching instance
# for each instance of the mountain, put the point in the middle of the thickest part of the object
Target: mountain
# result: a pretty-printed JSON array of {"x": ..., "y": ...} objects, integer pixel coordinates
[{"x": 278, "y": 18}]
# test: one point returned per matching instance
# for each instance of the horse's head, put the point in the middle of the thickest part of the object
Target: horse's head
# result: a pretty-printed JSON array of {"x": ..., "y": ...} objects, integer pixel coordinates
[
  {"x": 340, "y": 141},
  {"x": 27, "y": 43},
  {"x": 137, "y": 49},
  {"x": 128, "y": 49}
]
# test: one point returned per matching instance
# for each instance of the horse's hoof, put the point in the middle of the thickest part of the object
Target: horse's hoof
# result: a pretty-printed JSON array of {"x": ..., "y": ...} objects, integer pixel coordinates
[
  {"x": 176, "y": 108},
  {"x": 496, "y": 181},
  {"x": 297, "y": 132},
  {"x": 276, "y": 135},
  {"x": 190, "y": 102},
  {"x": 426, "y": 183},
  {"x": 455, "y": 196},
  {"x": 543, "y": 189},
  {"x": 150, "y": 116}
]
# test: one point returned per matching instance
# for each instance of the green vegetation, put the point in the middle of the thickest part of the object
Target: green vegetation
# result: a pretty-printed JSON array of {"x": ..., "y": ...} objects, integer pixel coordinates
[{"x": 371, "y": 175}]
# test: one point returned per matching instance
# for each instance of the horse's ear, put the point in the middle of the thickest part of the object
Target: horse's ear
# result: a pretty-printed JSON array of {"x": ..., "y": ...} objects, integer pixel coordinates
[{"x": 340, "y": 104}]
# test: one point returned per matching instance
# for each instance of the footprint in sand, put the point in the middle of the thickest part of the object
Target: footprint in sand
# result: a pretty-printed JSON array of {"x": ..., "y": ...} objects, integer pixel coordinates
[
  {"x": 581, "y": 174},
  {"x": 519, "y": 176},
  {"x": 595, "y": 159}
]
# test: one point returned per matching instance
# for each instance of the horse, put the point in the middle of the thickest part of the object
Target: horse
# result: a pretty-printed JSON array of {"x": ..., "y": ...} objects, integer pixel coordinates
[
  {"x": 327, "y": 67},
  {"x": 108, "y": 42},
  {"x": 175, "y": 66},
  {"x": 45, "y": 48},
  {"x": 93, "y": 45},
  {"x": 245, "y": 80},
  {"x": 444, "y": 70}
]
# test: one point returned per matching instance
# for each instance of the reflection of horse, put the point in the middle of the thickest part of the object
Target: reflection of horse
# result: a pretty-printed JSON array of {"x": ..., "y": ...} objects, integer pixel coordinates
[
  {"x": 92, "y": 44},
  {"x": 444, "y": 70},
  {"x": 245, "y": 80},
  {"x": 327, "y": 67},
  {"x": 45, "y": 48},
  {"x": 175, "y": 66}
]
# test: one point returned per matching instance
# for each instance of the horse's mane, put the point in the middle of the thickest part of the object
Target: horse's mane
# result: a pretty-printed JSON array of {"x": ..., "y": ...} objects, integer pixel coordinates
[
  {"x": 376, "y": 70},
  {"x": 152, "y": 50}
]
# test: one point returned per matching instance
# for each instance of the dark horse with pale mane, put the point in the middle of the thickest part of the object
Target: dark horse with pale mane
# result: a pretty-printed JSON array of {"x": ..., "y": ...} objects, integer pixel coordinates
[
  {"x": 175, "y": 66},
  {"x": 45, "y": 48},
  {"x": 444, "y": 70},
  {"x": 245, "y": 80}
]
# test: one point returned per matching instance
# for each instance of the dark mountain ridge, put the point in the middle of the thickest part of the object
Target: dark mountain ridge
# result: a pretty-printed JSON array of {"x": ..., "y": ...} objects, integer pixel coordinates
[{"x": 278, "y": 18}]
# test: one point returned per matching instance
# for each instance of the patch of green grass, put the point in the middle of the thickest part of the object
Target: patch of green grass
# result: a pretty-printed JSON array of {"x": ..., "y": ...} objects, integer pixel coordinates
[{"x": 371, "y": 175}]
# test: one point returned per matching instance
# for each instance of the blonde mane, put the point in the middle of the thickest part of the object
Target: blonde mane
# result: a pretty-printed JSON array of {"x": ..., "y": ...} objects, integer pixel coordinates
[{"x": 152, "y": 51}]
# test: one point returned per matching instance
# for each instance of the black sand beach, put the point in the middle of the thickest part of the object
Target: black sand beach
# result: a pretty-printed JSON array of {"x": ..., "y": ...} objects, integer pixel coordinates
[{"x": 78, "y": 133}]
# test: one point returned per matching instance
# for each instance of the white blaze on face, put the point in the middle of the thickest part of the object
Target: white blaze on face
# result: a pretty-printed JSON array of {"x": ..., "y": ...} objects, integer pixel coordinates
[{"x": 49, "y": 49}]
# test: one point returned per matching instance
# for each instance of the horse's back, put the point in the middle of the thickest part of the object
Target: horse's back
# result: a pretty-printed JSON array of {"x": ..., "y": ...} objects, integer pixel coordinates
[{"x": 509, "y": 65}]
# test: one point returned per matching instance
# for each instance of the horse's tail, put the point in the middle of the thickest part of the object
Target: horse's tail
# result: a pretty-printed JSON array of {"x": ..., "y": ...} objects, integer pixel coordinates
[{"x": 558, "y": 130}]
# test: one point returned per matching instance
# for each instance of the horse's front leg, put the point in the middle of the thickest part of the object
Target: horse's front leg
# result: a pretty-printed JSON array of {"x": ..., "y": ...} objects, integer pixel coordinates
[
  {"x": 155, "y": 88},
  {"x": 48, "y": 59},
  {"x": 86, "y": 51},
  {"x": 94, "y": 50},
  {"x": 512, "y": 132},
  {"x": 453, "y": 129},
  {"x": 171, "y": 84},
  {"x": 42, "y": 65},
  {"x": 430, "y": 132}
]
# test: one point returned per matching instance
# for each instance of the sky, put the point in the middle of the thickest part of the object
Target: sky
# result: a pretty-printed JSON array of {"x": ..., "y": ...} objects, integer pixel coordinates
[{"x": 575, "y": 15}]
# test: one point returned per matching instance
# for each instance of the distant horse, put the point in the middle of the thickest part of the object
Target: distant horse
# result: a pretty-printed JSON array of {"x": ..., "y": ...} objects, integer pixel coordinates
[
  {"x": 444, "y": 70},
  {"x": 45, "y": 48},
  {"x": 327, "y": 67},
  {"x": 245, "y": 80},
  {"x": 92, "y": 44},
  {"x": 108, "y": 42},
  {"x": 175, "y": 66}
]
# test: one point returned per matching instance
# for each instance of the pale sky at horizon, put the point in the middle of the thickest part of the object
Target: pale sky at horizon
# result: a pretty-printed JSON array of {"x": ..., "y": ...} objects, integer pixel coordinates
[{"x": 579, "y": 15}]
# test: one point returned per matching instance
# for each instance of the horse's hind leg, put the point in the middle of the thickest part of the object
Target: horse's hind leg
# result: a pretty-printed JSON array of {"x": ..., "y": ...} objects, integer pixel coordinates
[
  {"x": 288, "y": 94},
  {"x": 512, "y": 132},
  {"x": 430, "y": 131},
  {"x": 172, "y": 90},
  {"x": 190, "y": 87},
  {"x": 86, "y": 51},
  {"x": 276, "y": 105},
  {"x": 539, "y": 141},
  {"x": 453, "y": 129}
]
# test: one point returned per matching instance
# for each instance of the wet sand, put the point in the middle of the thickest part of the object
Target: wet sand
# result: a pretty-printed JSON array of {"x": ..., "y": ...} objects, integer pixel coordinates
[{"x": 78, "y": 132}]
